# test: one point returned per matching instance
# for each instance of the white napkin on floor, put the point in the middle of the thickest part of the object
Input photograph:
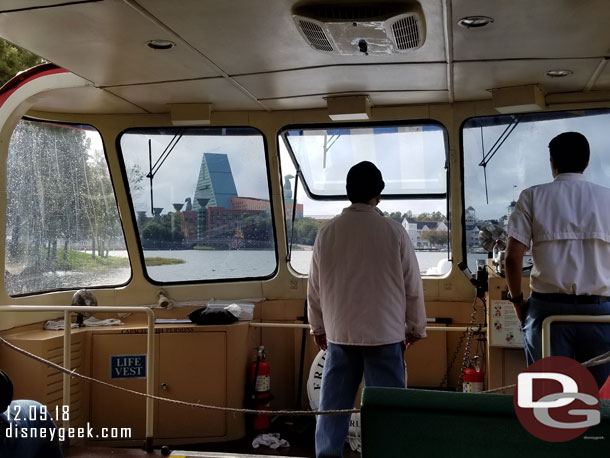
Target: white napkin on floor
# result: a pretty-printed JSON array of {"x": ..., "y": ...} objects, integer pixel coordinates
[{"x": 270, "y": 440}]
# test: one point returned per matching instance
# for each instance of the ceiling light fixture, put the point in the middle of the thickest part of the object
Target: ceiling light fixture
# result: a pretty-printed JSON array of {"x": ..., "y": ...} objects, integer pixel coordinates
[
  {"x": 160, "y": 44},
  {"x": 349, "y": 108},
  {"x": 474, "y": 22},
  {"x": 558, "y": 73}
]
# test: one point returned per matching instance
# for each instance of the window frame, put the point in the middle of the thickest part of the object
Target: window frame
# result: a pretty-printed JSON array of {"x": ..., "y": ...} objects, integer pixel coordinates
[
  {"x": 367, "y": 124},
  {"x": 112, "y": 182},
  {"x": 542, "y": 115},
  {"x": 173, "y": 129}
]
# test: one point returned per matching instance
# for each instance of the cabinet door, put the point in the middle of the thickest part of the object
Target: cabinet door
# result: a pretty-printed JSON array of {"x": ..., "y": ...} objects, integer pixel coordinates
[
  {"x": 193, "y": 368},
  {"x": 112, "y": 408}
]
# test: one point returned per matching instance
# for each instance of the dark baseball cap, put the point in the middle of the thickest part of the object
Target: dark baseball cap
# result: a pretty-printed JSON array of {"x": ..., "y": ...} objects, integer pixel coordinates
[{"x": 364, "y": 181}]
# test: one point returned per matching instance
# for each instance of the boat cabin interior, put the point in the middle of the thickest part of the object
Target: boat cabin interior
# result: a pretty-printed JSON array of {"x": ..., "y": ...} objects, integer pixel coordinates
[{"x": 171, "y": 156}]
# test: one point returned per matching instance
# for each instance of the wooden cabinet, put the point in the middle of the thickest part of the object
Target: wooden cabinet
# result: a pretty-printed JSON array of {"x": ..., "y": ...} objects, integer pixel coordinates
[
  {"x": 34, "y": 380},
  {"x": 192, "y": 367},
  {"x": 112, "y": 408},
  {"x": 198, "y": 364}
]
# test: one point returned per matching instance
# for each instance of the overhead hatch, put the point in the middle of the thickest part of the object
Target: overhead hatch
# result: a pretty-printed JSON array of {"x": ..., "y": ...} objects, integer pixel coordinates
[{"x": 362, "y": 29}]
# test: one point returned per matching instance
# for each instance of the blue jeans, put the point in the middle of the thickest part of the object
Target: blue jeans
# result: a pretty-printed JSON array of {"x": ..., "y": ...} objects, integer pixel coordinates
[
  {"x": 579, "y": 341},
  {"x": 22, "y": 416},
  {"x": 382, "y": 365}
]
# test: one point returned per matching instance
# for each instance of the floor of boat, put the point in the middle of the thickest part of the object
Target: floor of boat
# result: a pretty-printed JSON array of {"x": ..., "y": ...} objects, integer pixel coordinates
[
  {"x": 239, "y": 448},
  {"x": 298, "y": 431}
]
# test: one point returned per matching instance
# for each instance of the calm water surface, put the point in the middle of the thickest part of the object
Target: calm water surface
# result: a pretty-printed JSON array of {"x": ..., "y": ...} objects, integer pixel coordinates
[{"x": 214, "y": 265}]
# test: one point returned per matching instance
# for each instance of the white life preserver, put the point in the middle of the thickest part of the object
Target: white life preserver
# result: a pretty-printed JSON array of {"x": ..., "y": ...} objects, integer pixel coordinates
[{"x": 314, "y": 384}]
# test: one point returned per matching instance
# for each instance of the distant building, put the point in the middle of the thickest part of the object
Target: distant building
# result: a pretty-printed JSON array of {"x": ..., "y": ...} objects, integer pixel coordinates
[
  {"x": 225, "y": 211},
  {"x": 215, "y": 181},
  {"x": 509, "y": 211},
  {"x": 251, "y": 203},
  {"x": 417, "y": 229},
  {"x": 472, "y": 228}
]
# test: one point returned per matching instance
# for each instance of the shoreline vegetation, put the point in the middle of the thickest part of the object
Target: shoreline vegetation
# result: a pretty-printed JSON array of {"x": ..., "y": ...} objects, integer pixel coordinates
[
  {"x": 78, "y": 260},
  {"x": 83, "y": 261}
]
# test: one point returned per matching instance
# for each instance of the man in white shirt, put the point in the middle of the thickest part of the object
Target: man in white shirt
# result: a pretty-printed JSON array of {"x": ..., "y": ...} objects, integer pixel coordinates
[
  {"x": 567, "y": 223},
  {"x": 365, "y": 303}
]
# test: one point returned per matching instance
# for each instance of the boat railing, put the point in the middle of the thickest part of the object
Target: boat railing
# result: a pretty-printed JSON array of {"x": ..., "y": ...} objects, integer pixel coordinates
[{"x": 546, "y": 326}]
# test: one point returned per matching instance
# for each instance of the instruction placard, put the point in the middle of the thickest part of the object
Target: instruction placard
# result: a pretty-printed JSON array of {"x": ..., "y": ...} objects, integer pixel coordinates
[{"x": 504, "y": 325}]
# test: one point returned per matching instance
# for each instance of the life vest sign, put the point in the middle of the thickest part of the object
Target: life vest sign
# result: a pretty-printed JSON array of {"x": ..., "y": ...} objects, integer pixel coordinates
[{"x": 127, "y": 366}]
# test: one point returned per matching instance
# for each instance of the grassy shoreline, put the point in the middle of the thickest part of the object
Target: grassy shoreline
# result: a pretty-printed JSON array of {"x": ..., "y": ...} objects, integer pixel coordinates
[{"x": 78, "y": 260}]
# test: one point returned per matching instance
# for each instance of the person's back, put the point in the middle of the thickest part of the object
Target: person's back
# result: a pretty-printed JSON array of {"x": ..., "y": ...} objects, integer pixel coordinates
[
  {"x": 365, "y": 303},
  {"x": 570, "y": 233},
  {"x": 363, "y": 265},
  {"x": 567, "y": 224}
]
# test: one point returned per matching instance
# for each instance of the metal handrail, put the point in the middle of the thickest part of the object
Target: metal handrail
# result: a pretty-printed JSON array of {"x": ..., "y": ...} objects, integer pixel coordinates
[
  {"x": 546, "y": 327},
  {"x": 150, "y": 348},
  {"x": 448, "y": 328}
]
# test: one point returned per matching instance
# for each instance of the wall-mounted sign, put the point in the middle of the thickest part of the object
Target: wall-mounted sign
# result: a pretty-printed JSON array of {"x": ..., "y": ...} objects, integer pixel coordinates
[
  {"x": 127, "y": 366},
  {"x": 504, "y": 325}
]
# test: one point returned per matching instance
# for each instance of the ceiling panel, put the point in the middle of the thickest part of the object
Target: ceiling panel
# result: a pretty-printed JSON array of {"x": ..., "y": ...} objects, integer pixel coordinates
[
  {"x": 532, "y": 29},
  {"x": 377, "y": 99},
  {"x": 335, "y": 80},
  {"x": 82, "y": 100},
  {"x": 473, "y": 79},
  {"x": 254, "y": 36},
  {"x": 156, "y": 97},
  {"x": 104, "y": 42},
  {"x": 603, "y": 81},
  {"x": 10, "y": 5}
]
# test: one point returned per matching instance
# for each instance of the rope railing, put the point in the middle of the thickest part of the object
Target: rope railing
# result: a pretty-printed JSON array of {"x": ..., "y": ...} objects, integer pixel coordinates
[
  {"x": 600, "y": 359},
  {"x": 73, "y": 373}
]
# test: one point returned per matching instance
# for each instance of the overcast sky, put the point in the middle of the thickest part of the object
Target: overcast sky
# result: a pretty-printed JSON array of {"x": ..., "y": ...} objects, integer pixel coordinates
[
  {"x": 522, "y": 161},
  {"x": 177, "y": 177},
  {"x": 410, "y": 162}
]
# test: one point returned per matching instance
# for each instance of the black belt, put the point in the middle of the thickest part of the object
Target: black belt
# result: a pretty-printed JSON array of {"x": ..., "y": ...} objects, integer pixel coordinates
[{"x": 570, "y": 298}]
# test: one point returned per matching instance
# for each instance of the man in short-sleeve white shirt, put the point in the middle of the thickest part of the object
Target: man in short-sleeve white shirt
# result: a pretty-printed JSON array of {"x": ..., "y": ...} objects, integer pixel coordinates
[{"x": 567, "y": 224}]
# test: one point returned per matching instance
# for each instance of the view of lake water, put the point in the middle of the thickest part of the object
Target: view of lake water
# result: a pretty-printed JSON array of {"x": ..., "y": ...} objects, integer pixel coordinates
[
  {"x": 217, "y": 264},
  {"x": 198, "y": 266}
]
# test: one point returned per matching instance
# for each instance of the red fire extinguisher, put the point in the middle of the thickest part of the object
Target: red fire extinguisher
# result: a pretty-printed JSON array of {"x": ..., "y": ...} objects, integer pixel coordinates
[
  {"x": 473, "y": 378},
  {"x": 260, "y": 382}
]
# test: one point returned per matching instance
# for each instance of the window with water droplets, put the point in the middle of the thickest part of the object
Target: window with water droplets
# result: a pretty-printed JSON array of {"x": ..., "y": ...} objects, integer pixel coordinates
[{"x": 63, "y": 229}]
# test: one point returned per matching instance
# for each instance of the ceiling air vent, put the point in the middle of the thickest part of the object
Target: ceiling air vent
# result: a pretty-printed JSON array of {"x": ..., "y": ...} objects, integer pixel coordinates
[
  {"x": 315, "y": 36},
  {"x": 376, "y": 28},
  {"x": 406, "y": 33}
]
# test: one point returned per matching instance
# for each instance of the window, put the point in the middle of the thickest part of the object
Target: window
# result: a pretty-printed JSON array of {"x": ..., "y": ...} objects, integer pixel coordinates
[
  {"x": 201, "y": 196},
  {"x": 412, "y": 160},
  {"x": 505, "y": 154},
  {"x": 62, "y": 225}
]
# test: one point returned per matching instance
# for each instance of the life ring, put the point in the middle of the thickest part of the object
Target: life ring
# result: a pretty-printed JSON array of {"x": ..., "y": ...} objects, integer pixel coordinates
[{"x": 314, "y": 384}]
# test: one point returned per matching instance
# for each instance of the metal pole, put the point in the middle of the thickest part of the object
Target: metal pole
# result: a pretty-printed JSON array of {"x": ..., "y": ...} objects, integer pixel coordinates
[
  {"x": 428, "y": 328},
  {"x": 66, "y": 363}
]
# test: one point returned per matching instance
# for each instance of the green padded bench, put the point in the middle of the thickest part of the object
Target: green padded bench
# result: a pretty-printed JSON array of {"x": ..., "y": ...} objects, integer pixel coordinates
[{"x": 422, "y": 423}]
